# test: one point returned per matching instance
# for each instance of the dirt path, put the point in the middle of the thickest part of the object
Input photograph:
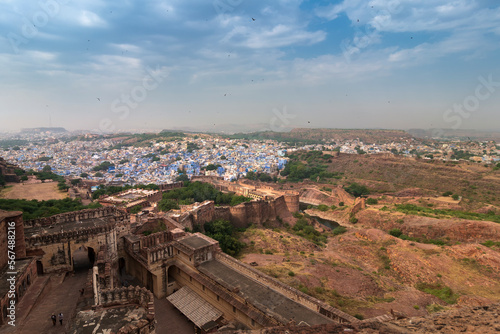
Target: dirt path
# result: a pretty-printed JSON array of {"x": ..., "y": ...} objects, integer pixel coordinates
[{"x": 38, "y": 191}]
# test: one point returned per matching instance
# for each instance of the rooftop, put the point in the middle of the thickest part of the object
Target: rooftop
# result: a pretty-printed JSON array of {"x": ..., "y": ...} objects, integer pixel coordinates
[
  {"x": 195, "y": 242},
  {"x": 261, "y": 296}
]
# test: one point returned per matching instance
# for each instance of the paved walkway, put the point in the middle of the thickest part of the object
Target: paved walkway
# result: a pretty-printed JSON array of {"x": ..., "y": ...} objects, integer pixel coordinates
[
  {"x": 56, "y": 297},
  {"x": 170, "y": 320}
]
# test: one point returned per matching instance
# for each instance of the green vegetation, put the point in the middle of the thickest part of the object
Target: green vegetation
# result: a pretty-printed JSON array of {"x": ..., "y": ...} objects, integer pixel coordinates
[
  {"x": 439, "y": 290},
  {"x": 303, "y": 229},
  {"x": 491, "y": 243},
  {"x": 36, "y": 209},
  {"x": 459, "y": 154},
  {"x": 371, "y": 201},
  {"x": 199, "y": 192},
  {"x": 323, "y": 207},
  {"x": 191, "y": 147},
  {"x": 339, "y": 230},
  {"x": 264, "y": 177},
  {"x": 103, "y": 166},
  {"x": 62, "y": 186},
  {"x": 308, "y": 165},
  {"x": 396, "y": 232},
  {"x": 212, "y": 167},
  {"x": 412, "y": 209},
  {"x": 357, "y": 190},
  {"x": 225, "y": 234},
  {"x": 136, "y": 209}
]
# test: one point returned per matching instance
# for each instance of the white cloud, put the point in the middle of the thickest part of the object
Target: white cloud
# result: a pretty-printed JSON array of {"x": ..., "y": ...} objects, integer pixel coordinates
[{"x": 90, "y": 19}]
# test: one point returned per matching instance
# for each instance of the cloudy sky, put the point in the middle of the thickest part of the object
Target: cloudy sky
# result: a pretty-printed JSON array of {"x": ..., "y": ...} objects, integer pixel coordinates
[{"x": 249, "y": 64}]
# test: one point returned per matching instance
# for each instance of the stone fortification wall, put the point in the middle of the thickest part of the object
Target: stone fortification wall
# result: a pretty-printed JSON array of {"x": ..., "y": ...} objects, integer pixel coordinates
[
  {"x": 359, "y": 204},
  {"x": 298, "y": 296},
  {"x": 258, "y": 212},
  {"x": 113, "y": 214},
  {"x": 254, "y": 212},
  {"x": 169, "y": 186},
  {"x": 78, "y": 235}
]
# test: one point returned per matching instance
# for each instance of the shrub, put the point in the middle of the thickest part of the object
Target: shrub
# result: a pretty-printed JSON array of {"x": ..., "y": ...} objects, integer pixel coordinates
[
  {"x": 339, "y": 230},
  {"x": 323, "y": 207},
  {"x": 455, "y": 197},
  {"x": 371, "y": 201},
  {"x": 341, "y": 203},
  {"x": 291, "y": 273},
  {"x": 447, "y": 193},
  {"x": 353, "y": 220},
  {"x": 395, "y": 232},
  {"x": 443, "y": 292}
]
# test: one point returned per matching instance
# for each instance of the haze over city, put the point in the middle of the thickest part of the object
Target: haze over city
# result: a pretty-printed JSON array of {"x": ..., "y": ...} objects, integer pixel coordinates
[{"x": 218, "y": 65}]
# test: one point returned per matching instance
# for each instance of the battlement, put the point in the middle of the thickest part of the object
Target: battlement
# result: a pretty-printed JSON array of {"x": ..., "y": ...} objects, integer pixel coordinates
[
  {"x": 45, "y": 238},
  {"x": 111, "y": 213}
]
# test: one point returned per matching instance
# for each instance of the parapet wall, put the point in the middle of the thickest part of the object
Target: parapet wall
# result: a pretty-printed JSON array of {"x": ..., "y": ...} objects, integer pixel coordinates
[
  {"x": 111, "y": 212},
  {"x": 83, "y": 234},
  {"x": 298, "y": 296}
]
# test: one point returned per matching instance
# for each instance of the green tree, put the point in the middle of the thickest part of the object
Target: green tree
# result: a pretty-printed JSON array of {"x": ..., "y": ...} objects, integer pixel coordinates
[
  {"x": 357, "y": 190},
  {"x": 167, "y": 204}
]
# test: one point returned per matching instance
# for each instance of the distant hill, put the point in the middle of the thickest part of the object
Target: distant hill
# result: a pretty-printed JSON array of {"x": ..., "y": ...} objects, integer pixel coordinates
[
  {"x": 461, "y": 134},
  {"x": 322, "y": 135},
  {"x": 39, "y": 130}
]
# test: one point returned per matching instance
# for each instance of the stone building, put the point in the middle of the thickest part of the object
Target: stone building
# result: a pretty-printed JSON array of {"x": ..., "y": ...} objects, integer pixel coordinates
[{"x": 213, "y": 289}]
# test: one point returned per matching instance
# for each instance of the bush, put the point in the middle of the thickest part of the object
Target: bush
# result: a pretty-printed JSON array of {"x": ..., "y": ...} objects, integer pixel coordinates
[
  {"x": 339, "y": 230},
  {"x": 291, "y": 273},
  {"x": 341, "y": 203},
  {"x": 323, "y": 207},
  {"x": 395, "y": 232},
  {"x": 357, "y": 190},
  {"x": 371, "y": 201},
  {"x": 353, "y": 220},
  {"x": 447, "y": 193},
  {"x": 455, "y": 197}
]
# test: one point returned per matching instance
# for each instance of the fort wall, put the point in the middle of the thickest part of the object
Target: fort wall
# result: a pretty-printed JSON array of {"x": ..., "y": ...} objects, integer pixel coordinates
[
  {"x": 112, "y": 213},
  {"x": 286, "y": 290}
]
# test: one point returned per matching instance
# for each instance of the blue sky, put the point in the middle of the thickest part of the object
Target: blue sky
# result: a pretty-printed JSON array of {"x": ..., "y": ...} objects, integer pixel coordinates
[{"x": 249, "y": 64}]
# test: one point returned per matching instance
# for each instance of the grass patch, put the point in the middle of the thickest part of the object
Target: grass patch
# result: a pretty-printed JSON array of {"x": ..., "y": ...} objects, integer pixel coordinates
[
  {"x": 439, "y": 290},
  {"x": 412, "y": 209}
]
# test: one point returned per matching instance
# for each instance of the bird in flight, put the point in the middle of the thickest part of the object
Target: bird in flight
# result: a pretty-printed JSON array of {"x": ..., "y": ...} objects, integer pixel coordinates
[{"x": 99, "y": 98}]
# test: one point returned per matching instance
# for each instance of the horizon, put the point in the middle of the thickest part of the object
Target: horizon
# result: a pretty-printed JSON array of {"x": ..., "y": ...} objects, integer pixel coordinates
[{"x": 227, "y": 65}]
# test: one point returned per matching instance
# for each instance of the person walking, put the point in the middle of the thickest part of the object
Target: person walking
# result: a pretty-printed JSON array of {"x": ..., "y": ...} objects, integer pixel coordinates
[
  {"x": 60, "y": 318},
  {"x": 53, "y": 317}
]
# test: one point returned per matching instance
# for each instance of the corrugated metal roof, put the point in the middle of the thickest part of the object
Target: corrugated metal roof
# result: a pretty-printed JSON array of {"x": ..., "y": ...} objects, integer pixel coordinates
[{"x": 199, "y": 311}]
